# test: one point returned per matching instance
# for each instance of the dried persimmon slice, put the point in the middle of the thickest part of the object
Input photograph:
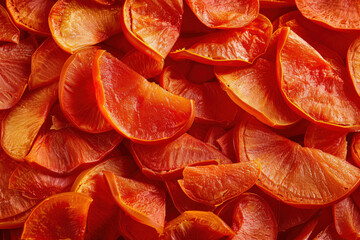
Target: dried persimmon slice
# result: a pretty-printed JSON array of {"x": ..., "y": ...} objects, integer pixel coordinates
[
  {"x": 152, "y": 26},
  {"x": 46, "y": 64},
  {"x": 225, "y": 14},
  {"x": 8, "y": 31},
  {"x": 347, "y": 219},
  {"x": 139, "y": 198},
  {"x": 77, "y": 93},
  {"x": 136, "y": 108},
  {"x": 197, "y": 225},
  {"x": 214, "y": 184},
  {"x": 15, "y": 62},
  {"x": 212, "y": 105},
  {"x": 16, "y": 221},
  {"x": 75, "y": 24},
  {"x": 353, "y": 63},
  {"x": 338, "y": 14},
  {"x": 232, "y": 47},
  {"x": 315, "y": 88},
  {"x": 167, "y": 160},
  {"x": 299, "y": 176},
  {"x": 61, "y": 216},
  {"x": 31, "y": 15},
  {"x": 22, "y": 123}
]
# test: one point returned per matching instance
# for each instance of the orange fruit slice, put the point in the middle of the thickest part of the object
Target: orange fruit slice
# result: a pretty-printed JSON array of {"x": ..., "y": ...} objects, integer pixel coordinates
[
  {"x": 215, "y": 184},
  {"x": 15, "y": 70},
  {"x": 353, "y": 63},
  {"x": 166, "y": 161},
  {"x": 347, "y": 219},
  {"x": 31, "y": 15},
  {"x": 331, "y": 103},
  {"x": 212, "y": 105},
  {"x": 8, "y": 31},
  {"x": 136, "y": 108},
  {"x": 16, "y": 221},
  {"x": 21, "y": 125},
  {"x": 231, "y": 47},
  {"x": 75, "y": 24},
  {"x": 77, "y": 93},
  {"x": 152, "y": 26},
  {"x": 46, "y": 64},
  {"x": 228, "y": 14},
  {"x": 61, "y": 216},
  {"x": 288, "y": 169}
]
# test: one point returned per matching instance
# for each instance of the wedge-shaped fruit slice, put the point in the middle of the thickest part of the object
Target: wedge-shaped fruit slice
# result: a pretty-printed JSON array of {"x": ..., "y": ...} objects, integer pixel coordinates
[
  {"x": 142, "y": 200},
  {"x": 61, "y": 216},
  {"x": 166, "y": 161},
  {"x": 339, "y": 15},
  {"x": 16, "y": 221},
  {"x": 103, "y": 216},
  {"x": 21, "y": 125},
  {"x": 333, "y": 142},
  {"x": 31, "y": 15},
  {"x": 353, "y": 63},
  {"x": 212, "y": 105},
  {"x": 15, "y": 70},
  {"x": 355, "y": 148},
  {"x": 197, "y": 225},
  {"x": 255, "y": 89},
  {"x": 347, "y": 219},
  {"x": 77, "y": 94},
  {"x": 8, "y": 31},
  {"x": 78, "y": 23},
  {"x": 152, "y": 26},
  {"x": 46, "y": 64},
  {"x": 313, "y": 88},
  {"x": 215, "y": 184},
  {"x": 225, "y": 14},
  {"x": 138, "y": 109},
  {"x": 232, "y": 47},
  {"x": 12, "y": 202},
  {"x": 36, "y": 184},
  {"x": 299, "y": 176}
]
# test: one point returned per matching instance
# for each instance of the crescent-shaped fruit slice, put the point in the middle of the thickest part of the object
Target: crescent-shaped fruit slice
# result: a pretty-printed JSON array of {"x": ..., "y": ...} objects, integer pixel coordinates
[
  {"x": 353, "y": 63},
  {"x": 225, "y": 14},
  {"x": 77, "y": 94},
  {"x": 75, "y": 24},
  {"x": 21, "y": 125},
  {"x": 8, "y": 31},
  {"x": 61, "y": 216},
  {"x": 215, "y": 184},
  {"x": 338, "y": 14},
  {"x": 168, "y": 160},
  {"x": 136, "y": 108},
  {"x": 212, "y": 105},
  {"x": 152, "y": 26},
  {"x": 46, "y": 64},
  {"x": 315, "y": 88},
  {"x": 347, "y": 219},
  {"x": 299, "y": 176},
  {"x": 231, "y": 47}
]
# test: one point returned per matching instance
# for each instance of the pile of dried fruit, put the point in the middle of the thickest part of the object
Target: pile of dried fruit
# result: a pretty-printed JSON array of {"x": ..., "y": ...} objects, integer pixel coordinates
[{"x": 164, "y": 119}]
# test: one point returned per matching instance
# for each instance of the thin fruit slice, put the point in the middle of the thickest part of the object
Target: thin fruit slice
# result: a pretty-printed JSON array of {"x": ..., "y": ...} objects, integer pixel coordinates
[
  {"x": 61, "y": 216},
  {"x": 231, "y": 47},
  {"x": 75, "y": 24},
  {"x": 16, "y": 221},
  {"x": 31, "y": 15},
  {"x": 152, "y": 26},
  {"x": 299, "y": 176},
  {"x": 15, "y": 70},
  {"x": 347, "y": 219},
  {"x": 225, "y": 14},
  {"x": 333, "y": 142},
  {"x": 212, "y": 105},
  {"x": 8, "y": 31},
  {"x": 196, "y": 225},
  {"x": 21, "y": 125},
  {"x": 46, "y": 64},
  {"x": 77, "y": 94},
  {"x": 138, "y": 109},
  {"x": 168, "y": 160},
  {"x": 353, "y": 63},
  {"x": 142, "y": 200},
  {"x": 214, "y": 184},
  {"x": 315, "y": 88},
  {"x": 338, "y": 14}
]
